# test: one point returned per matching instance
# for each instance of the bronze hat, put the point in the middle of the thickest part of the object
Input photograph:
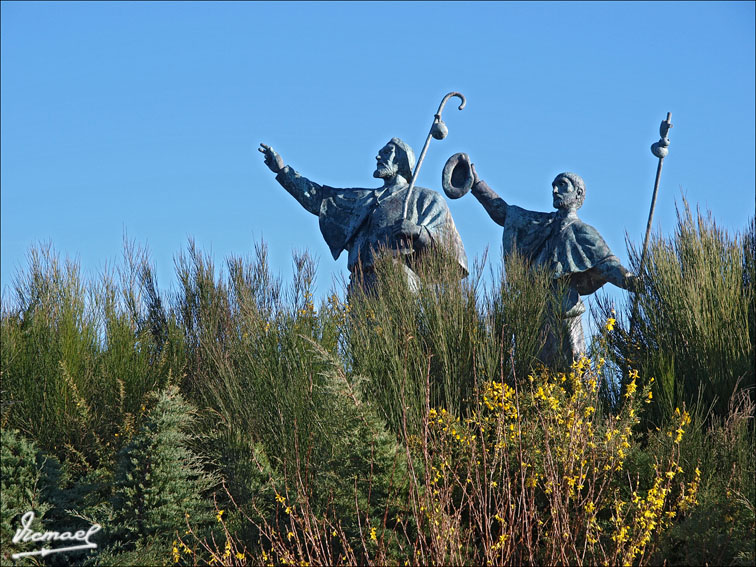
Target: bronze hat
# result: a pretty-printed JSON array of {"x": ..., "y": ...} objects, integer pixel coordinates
[{"x": 457, "y": 177}]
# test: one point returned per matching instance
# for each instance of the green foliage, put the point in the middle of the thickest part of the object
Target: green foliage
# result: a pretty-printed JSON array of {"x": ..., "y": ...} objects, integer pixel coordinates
[
  {"x": 22, "y": 490},
  {"x": 79, "y": 358},
  {"x": 316, "y": 418},
  {"x": 442, "y": 334},
  {"x": 694, "y": 330},
  {"x": 270, "y": 376},
  {"x": 722, "y": 528},
  {"x": 160, "y": 484}
]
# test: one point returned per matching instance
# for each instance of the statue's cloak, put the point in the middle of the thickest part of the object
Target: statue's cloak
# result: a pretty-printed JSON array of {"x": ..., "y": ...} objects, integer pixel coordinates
[
  {"x": 360, "y": 220},
  {"x": 567, "y": 247},
  {"x": 342, "y": 213},
  {"x": 357, "y": 220}
]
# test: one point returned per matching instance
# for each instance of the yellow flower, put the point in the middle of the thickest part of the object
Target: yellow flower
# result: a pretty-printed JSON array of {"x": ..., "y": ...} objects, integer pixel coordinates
[
  {"x": 679, "y": 432},
  {"x": 373, "y": 536},
  {"x": 610, "y": 323}
]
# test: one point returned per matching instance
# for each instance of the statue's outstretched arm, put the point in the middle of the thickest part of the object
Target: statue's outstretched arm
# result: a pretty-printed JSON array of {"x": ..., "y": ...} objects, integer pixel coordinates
[
  {"x": 614, "y": 272},
  {"x": 309, "y": 194},
  {"x": 495, "y": 206}
]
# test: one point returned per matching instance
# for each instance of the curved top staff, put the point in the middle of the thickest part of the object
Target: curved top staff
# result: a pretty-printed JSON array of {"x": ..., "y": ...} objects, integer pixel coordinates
[{"x": 439, "y": 131}]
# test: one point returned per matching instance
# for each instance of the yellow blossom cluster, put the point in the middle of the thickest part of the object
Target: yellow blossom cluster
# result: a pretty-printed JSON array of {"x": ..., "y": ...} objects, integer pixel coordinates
[
  {"x": 308, "y": 310},
  {"x": 548, "y": 437}
]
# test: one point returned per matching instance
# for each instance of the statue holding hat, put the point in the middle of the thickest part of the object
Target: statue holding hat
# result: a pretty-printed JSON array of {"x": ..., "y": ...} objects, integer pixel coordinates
[
  {"x": 573, "y": 251},
  {"x": 365, "y": 221}
]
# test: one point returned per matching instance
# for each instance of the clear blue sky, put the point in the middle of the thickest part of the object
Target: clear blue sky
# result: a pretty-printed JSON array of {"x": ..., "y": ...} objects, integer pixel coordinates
[{"x": 145, "y": 117}]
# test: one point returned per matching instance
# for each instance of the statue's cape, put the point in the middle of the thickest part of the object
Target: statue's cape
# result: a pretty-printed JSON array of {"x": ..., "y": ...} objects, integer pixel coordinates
[
  {"x": 566, "y": 249},
  {"x": 345, "y": 212},
  {"x": 342, "y": 213}
]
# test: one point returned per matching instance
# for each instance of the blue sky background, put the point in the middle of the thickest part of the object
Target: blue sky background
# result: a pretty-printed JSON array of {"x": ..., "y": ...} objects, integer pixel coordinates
[{"x": 144, "y": 118}]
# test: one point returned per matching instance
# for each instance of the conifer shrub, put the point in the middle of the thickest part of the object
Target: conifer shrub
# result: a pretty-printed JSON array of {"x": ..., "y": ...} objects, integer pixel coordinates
[
  {"x": 160, "y": 484},
  {"x": 268, "y": 377},
  {"x": 22, "y": 491}
]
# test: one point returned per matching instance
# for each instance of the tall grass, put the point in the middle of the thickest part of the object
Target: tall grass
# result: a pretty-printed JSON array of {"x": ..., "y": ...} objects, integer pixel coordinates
[
  {"x": 451, "y": 332},
  {"x": 346, "y": 432},
  {"x": 80, "y": 358},
  {"x": 695, "y": 329}
]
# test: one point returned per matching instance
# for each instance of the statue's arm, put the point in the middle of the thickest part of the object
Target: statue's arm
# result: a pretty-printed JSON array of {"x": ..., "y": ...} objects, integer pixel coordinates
[
  {"x": 495, "y": 206},
  {"x": 614, "y": 272},
  {"x": 309, "y": 194}
]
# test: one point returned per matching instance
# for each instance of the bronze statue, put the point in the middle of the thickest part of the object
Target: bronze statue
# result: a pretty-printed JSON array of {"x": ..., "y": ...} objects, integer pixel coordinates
[
  {"x": 570, "y": 249},
  {"x": 362, "y": 221}
]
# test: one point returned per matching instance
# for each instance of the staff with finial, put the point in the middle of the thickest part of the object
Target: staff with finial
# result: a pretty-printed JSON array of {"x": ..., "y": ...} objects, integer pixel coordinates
[
  {"x": 439, "y": 131},
  {"x": 660, "y": 149}
]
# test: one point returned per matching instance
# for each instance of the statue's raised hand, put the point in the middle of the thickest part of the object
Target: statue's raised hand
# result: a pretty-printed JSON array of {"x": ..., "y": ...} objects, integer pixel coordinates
[
  {"x": 474, "y": 173},
  {"x": 272, "y": 159}
]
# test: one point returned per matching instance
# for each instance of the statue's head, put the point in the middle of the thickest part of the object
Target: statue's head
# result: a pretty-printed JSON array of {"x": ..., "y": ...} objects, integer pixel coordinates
[
  {"x": 568, "y": 190},
  {"x": 395, "y": 158}
]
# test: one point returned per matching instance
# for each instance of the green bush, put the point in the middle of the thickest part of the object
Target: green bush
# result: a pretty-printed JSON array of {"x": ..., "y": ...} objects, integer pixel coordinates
[
  {"x": 79, "y": 358},
  {"x": 694, "y": 328},
  {"x": 160, "y": 483},
  {"x": 22, "y": 491},
  {"x": 317, "y": 419}
]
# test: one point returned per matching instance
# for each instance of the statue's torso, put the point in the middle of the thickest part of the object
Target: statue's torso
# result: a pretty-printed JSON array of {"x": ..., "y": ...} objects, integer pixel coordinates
[
  {"x": 387, "y": 210},
  {"x": 567, "y": 248}
]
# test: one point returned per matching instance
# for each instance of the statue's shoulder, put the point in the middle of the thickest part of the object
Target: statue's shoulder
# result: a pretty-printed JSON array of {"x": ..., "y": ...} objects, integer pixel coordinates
[
  {"x": 519, "y": 217},
  {"x": 349, "y": 194},
  {"x": 585, "y": 231},
  {"x": 428, "y": 193},
  {"x": 429, "y": 196}
]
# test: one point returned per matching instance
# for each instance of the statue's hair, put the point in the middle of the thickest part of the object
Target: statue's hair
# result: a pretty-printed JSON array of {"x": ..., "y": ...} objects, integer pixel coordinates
[
  {"x": 406, "y": 158},
  {"x": 577, "y": 183}
]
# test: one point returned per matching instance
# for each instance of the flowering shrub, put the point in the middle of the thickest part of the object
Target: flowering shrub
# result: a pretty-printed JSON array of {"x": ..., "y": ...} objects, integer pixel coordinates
[{"x": 535, "y": 473}]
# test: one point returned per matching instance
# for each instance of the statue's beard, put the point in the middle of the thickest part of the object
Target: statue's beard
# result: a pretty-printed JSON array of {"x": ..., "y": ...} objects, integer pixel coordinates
[
  {"x": 385, "y": 171},
  {"x": 567, "y": 202}
]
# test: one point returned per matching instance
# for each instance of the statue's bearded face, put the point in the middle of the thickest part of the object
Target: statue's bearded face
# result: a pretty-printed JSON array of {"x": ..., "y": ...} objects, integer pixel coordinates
[
  {"x": 387, "y": 166},
  {"x": 565, "y": 194}
]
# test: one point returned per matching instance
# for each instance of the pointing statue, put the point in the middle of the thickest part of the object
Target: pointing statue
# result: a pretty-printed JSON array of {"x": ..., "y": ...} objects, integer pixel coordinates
[
  {"x": 364, "y": 221},
  {"x": 570, "y": 249}
]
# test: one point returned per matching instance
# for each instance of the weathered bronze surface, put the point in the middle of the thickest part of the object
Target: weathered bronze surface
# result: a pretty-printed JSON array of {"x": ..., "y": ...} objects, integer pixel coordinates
[
  {"x": 572, "y": 251},
  {"x": 362, "y": 221}
]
